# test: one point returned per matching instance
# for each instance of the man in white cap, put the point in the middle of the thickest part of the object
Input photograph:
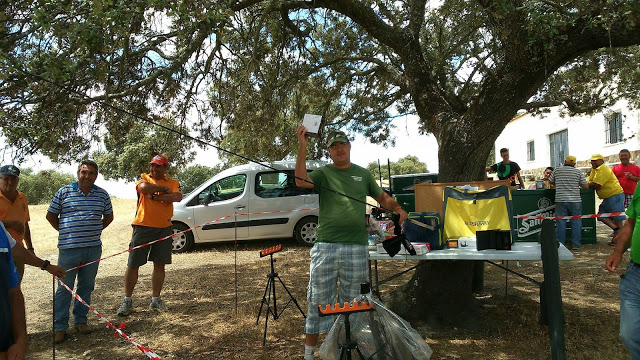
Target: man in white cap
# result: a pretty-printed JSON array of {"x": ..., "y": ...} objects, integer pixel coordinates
[
  {"x": 568, "y": 181},
  {"x": 604, "y": 181},
  {"x": 156, "y": 195},
  {"x": 14, "y": 211}
]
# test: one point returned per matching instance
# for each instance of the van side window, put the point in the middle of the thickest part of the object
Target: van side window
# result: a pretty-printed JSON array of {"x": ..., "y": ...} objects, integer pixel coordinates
[
  {"x": 272, "y": 184},
  {"x": 224, "y": 189}
]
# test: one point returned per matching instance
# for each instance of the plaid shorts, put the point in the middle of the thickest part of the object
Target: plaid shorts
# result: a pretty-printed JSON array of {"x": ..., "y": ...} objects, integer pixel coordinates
[
  {"x": 330, "y": 263},
  {"x": 627, "y": 200}
]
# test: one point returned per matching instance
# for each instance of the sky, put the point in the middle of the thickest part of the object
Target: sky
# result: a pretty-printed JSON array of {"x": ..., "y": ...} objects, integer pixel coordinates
[{"x": 408, "y": 142}]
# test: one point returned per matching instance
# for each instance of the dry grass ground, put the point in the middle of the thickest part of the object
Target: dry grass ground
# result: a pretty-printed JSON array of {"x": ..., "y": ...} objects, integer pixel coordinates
[{"x": 202, "y": 323}]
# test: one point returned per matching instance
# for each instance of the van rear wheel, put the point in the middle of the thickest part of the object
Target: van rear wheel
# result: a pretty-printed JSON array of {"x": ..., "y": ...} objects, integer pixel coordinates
[
  {"x": 184, "y": 241},
  {"x": 306, "y": 230}
]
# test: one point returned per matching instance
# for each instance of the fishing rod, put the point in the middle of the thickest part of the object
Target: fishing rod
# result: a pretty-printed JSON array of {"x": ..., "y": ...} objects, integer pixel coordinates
[{"x": 200, "y": 141}]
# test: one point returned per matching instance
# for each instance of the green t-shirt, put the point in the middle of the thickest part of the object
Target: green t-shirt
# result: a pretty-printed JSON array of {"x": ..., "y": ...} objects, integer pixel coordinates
[
  {"x": 342, "y": 220},
  {"x": 633, "y": 211}
]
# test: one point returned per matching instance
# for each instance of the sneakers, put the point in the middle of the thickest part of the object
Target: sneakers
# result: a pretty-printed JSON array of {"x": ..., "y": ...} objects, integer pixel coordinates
[
  {"x": 126, "y": 307},
  {"x": 83, "y": 328},
  {"x": 59, "y": 336},
  {"x": 157, "y": 305}
]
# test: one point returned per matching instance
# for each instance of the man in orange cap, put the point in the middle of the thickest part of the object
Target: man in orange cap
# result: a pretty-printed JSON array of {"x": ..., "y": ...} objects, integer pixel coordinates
[
  {"x": 156, "y": 195},
  {"x": 604, "y": 181}
]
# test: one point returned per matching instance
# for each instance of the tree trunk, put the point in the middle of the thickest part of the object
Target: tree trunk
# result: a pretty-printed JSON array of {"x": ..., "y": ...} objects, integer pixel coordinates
[{"x": 441, "y": 292}]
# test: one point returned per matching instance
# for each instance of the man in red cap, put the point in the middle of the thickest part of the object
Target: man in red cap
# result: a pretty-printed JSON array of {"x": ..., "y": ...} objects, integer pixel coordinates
[{"x": 156, "y": 195}]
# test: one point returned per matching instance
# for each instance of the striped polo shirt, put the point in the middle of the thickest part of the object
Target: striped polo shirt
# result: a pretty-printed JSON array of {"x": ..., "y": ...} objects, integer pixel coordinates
[
  {"x": 568, "y": 180},
  {"x": 80, "y": 215}
]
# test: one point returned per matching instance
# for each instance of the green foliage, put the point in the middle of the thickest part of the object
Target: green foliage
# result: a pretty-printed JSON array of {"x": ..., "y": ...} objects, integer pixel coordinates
[
  {"x": 41, "y": 186},
  {"x": 492, "y": 157},
  {"x": 242, "y": 74},
  {"x": 127, "y": 155},
  {"x": 194, "y": 175},
  {"x": 407, "y": 165}
]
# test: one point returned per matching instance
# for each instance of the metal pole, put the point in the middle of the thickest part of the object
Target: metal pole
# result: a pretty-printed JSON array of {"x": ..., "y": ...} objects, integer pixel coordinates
[
  {"x": 53, "y": 318},
  {"x": 235, "y": 256},
  {"x": 552, "y": 295},
  {"x": 389, "y": 172}
]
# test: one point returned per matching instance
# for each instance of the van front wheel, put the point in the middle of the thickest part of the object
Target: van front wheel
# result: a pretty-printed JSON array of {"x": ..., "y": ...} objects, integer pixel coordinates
[
  {"x": 184, "y": 241},
  {"x": 306, "y": 229}
]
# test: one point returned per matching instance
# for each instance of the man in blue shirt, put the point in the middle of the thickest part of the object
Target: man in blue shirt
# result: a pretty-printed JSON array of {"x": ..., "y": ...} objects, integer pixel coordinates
[
  {"x": 13, "y": 324},
  {"x": 79, "y": 211}
]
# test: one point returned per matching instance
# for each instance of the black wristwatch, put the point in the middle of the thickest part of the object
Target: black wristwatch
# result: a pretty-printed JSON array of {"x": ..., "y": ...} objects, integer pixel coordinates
[{"x": 45, "y": 264}]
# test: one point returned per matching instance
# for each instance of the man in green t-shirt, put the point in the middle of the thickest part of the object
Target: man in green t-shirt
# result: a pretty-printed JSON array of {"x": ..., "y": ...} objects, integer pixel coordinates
[
  {"x": 340, "y": 250},
  {"x": 629, "y": 290}
]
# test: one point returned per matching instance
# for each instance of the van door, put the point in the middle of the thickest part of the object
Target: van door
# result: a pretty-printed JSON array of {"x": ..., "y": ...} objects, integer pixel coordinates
[
  {"x": 227, "y": 196},
  {"x": 276, "y": 191}
]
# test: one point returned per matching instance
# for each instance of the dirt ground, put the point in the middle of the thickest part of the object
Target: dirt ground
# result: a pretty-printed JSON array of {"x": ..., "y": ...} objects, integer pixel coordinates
[{"x": 205, "y": 321}]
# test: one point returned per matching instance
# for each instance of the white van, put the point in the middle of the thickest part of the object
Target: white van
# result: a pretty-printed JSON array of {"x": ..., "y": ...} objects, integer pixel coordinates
[{"x": 256, "y": 203}]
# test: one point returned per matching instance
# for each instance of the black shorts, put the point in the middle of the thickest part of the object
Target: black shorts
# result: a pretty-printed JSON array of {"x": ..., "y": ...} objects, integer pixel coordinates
[{"x": 159, "y": 253}]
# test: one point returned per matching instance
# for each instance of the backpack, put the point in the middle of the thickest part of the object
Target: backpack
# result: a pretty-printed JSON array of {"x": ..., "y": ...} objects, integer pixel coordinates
[{"x": 424, "y": 227}]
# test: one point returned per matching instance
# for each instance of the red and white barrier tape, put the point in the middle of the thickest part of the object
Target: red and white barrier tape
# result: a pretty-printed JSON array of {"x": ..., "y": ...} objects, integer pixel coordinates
[
  {"x": 592, "y": 216},
  {"x": 118, "y": 329},
  {"x": 190, "y": 229}
]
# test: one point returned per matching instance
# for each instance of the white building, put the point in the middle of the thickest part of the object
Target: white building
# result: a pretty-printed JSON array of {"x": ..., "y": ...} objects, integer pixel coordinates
[{"x": 535, "y": 142}]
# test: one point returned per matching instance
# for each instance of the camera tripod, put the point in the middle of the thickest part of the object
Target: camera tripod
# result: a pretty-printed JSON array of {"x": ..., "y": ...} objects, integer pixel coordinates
[
  {"x": 270, "y": 291},
  {"x": 348, "y": 346}
]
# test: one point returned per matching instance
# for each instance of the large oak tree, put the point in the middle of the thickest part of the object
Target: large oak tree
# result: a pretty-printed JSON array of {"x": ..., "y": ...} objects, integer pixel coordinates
[{"x": 242, "y": 74}]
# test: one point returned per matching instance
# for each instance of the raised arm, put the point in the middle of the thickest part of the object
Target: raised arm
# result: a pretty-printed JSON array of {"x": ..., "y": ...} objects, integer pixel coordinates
[{"x": 301, "y": 160}]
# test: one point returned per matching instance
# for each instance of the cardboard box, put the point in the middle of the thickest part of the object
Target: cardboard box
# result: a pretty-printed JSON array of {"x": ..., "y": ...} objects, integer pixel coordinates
[{"x": 429, "y": 197}]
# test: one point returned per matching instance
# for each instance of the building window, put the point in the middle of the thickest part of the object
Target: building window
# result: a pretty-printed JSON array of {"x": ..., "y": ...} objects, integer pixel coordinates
[
  {"x": 531, "y": 152},
  {"x": 613, "y": 127}
]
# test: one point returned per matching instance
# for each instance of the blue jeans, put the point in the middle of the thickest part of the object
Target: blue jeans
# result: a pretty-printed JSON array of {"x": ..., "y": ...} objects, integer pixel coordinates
[
  {"x": 568, "y": 209},
  {"x": 69, "y": 258},
  {"x": 630, "y": 310},
  {"x": 611, "y": 204}
]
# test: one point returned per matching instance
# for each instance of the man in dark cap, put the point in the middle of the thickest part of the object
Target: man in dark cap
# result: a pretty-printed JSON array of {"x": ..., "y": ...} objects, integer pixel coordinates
[
  {"x": 340, "y": 252},
  {"x": 14, "y": 211}
]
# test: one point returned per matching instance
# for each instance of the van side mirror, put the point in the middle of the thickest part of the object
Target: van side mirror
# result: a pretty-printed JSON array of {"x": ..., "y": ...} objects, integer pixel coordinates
[{"x": 207, "y": 199}]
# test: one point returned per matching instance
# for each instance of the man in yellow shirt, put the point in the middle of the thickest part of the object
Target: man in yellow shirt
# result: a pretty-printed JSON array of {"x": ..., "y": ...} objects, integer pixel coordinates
[
  {"x": 606, "y": 184},
  {"x": 14, "y": 211},
  {"x": 156, "y": 195}
]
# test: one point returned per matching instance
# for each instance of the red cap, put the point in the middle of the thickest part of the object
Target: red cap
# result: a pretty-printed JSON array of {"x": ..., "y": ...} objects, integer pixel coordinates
[{"x": 159, "y": 160}]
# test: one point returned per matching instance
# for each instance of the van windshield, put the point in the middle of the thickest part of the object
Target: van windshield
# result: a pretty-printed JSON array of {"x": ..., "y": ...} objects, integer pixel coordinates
[{"x": 271, "y": 184}]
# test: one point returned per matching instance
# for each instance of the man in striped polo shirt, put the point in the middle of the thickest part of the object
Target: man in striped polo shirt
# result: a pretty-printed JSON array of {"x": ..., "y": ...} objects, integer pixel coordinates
[
  {"x": 568, "y": 181},
  {"x": 79, "y": 211}
]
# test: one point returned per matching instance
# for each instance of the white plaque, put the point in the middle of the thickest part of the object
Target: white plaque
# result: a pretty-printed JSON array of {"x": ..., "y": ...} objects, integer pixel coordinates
[{"x": 313, "y": 123}]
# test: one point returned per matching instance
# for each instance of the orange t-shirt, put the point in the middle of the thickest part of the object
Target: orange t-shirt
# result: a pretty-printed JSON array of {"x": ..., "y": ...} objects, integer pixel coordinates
[
  {"x": 154, "y": 213},
  {"x": 16, "y": 211}
]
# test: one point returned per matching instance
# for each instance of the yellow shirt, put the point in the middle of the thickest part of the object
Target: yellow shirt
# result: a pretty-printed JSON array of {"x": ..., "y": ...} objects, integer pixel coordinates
[
  {"x": 15, "y": 211},
  {"x": 154, "y": 213},
  {"x": 608, "y": 181}
]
